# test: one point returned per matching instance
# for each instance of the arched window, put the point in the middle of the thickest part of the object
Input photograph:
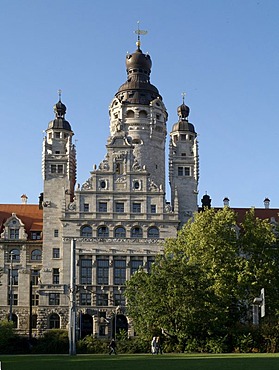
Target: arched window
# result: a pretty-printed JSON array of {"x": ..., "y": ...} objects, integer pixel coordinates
[
  {"x": 130, "y": 114},
  {"x": 153, "y": 232},
  {"x": 15, "y": 255},
  {"x": 54, "y": 321},
  {"x": 136, "y": 232},
  {"x": 36, "y": 255},
  {"x": 119, "y": 232},
  {"x": 86, "y": 231},
  {"x": 142, "y": 114},
  {"x": 103, "y": 232}
]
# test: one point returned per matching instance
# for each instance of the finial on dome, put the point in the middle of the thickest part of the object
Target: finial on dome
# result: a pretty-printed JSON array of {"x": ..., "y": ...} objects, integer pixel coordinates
[
  {"x": 139, "y": 32},
  {"x": 59, "y": 94},
  {"x": 183, "y": 96}
]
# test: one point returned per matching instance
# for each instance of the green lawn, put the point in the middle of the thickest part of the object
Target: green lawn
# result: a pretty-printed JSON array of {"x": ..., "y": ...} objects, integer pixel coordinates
[{"x": 142, "y": 362}]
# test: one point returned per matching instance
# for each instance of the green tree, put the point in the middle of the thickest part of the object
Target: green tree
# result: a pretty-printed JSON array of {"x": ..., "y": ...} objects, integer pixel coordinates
[{"x": 204, "y": 283}]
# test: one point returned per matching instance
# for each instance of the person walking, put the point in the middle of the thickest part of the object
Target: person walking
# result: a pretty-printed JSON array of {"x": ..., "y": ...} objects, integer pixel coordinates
[
  {"x": 112, "y": 347},
  {"x": 153, "y": 346}
]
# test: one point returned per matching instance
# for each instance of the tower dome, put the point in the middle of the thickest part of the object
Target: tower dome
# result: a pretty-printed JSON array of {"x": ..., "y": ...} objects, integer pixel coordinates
[
  {"x": 59, "y": 122},
  {"x": 138, "y": 89},
  {"x": 183, "y": 125}
]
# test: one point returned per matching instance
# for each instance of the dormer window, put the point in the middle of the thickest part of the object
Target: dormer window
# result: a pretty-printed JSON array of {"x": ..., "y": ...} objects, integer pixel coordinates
[{"x": 13, "y": 233}]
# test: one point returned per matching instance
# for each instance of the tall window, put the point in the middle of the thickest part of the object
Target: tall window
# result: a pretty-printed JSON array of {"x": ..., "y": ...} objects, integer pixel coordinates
[
  {"x": 119, "y": 297},
  {"x": 86, "y": 271},
  {"x": 136, "y": 232},
  {"x": 102, "y": 271},
  {"x": 36, "y": 255},
  {"x": 153, "y": 232},
  {"x": 86, "y": 231},
  {"x": 103, "y": 232},
  {"x": 14, "y": 276},
  {"x": 55, "y": 276},
  {"x": 35, "y": 275},
  {"x": 86, "y": 207},
  {"x": 119, "y": 232},
  {"x": 54, "y": 321},
  {"x": 56, "y": 233},
  {"x": 34, "y": 321},
  {"x": 135, "y": 264},
  {"x": 54, "y": 299},
  {"x": 150, "y": 261},
  {"x": 119, "y": 271}
]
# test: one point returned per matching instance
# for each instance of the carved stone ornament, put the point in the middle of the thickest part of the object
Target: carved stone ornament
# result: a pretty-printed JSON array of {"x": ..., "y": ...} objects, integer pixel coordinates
[{"x": 72, "y": 206}]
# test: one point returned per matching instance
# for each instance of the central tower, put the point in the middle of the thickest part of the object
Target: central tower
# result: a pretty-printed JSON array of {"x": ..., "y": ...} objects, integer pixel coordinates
[{"x": 138, "y": 111}]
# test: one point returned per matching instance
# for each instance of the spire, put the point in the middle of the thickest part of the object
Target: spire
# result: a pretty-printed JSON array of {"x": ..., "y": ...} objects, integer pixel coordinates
[
  {"x": 183, "y": 110},
  {"x": 139, "y": 32}
]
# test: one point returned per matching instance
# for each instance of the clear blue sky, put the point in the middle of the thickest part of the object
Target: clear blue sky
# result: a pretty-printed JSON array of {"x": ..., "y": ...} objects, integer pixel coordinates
[{"x": 223, "y": 53}]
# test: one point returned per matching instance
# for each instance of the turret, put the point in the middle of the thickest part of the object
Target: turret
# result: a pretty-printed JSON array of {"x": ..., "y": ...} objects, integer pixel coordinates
[{"x": 184, "y": 165}]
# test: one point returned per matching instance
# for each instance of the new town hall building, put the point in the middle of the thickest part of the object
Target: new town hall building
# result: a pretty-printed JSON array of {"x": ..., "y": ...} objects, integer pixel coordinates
[{"x": 119, "y": 217}]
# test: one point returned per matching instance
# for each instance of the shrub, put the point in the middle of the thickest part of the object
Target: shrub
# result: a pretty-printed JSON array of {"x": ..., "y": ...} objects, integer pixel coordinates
[{"x": 53, "y": 341}]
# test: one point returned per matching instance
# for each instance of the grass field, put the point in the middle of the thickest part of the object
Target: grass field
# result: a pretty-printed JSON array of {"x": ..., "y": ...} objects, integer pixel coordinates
[{"x": 142, "y": 362}]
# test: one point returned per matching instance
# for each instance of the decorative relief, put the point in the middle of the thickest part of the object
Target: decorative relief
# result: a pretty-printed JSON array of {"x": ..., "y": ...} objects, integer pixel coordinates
[
  {"x": 114, "y": 240},
  {"x": 86, "y": 185},
  {"x": 72, "y": 206}
]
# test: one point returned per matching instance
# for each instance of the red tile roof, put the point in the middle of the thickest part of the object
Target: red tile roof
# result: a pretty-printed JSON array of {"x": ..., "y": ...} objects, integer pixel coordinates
[
  {"x": 29, "y": 214},
  {"x": 262, "y": 213}
]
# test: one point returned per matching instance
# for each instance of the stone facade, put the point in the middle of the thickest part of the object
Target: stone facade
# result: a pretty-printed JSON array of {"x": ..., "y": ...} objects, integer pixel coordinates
[{"x": 119, "y": 217}]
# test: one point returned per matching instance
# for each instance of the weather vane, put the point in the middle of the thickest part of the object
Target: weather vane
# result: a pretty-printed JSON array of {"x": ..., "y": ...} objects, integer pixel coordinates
[
  {"x": 59, "y": 94},
  {"x": 139, "y": 32}
]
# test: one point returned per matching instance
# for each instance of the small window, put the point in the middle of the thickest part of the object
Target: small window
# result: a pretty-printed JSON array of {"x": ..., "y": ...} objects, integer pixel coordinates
[
  {"x": 56, "y": 233},
  {"x": 35, "y": 235},
  {"x": 187, "y": 171},
  {"x": 103, "y": 207},
  {"x": 60, "y": 168},
  {"x": 103, "y": 232},
  {"x": 183, "y": 154},
  {"x": 53, "y": 168},
  {"x": 119, "y": 207},
  {"x": 153, "y": 232},
  {"x": 118, "y": 168},
  {"x": 136, "y": 185},
  {"x": 86, "y": 207},
  {"x": 57, "y": 135},
  {"x": 120, "y": 232},
  {"x": 130, "y": 113},
  {"x": 54, "y": 321},
  {"x": 55, "y": 252},
  {"x": 36, "y": 255},
  {"x": 103, "y": 184},
  {"x": 86, "y": 231},
  {"x": 35, "y": 276},
  {"x": 57, "y": 152},
  {"x": 153, "y": 208},
  {"x": 183, "y": 137},
  {"x": 180, "y": 171},
  {"x": 136, "y": 208},
  {"x": 136, "y": 232},
  {"x": 142, "y": 114},
  {"x": 54, "y": 299}
]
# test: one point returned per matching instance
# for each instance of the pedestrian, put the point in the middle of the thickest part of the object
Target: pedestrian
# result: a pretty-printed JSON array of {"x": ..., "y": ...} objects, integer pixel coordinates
[
  {"x": 153, "y": 346},
  {"x": 112, "y": 347},
  {"x": 158, "y": 346}
]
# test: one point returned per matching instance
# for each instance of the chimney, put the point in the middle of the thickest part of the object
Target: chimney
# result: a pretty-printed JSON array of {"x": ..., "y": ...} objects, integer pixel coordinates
[
  {"x": 24, "y": 198},
  {"x": 266, "y": 203},
  {"x": 226, "y": 202}
]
